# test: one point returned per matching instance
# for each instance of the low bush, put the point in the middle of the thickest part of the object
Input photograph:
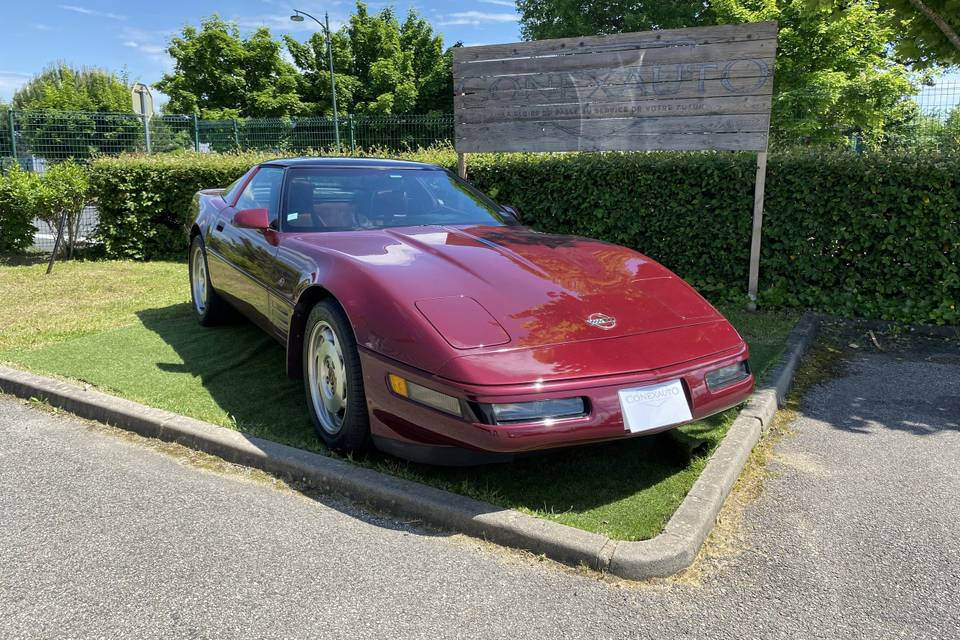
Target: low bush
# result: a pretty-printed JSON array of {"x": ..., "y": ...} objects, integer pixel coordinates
[
  {"x": 64, "y": 188},
  {"x": 861, "y": 235},
  {"x": 18, "y": 206}
]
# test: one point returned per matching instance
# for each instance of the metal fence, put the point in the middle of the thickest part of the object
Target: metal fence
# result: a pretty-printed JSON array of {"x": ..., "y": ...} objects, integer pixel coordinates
[{"x": 39, "y": 137}]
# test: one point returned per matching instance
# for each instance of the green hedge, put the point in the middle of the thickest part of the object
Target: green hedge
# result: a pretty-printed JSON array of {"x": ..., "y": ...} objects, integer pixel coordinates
[
  {"x": 860, "y": 235},
  {"x": 143, "y": 200}
]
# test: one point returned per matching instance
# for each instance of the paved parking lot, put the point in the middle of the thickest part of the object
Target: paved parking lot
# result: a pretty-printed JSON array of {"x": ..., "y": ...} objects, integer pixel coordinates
[{"x": 856, "y": 535}]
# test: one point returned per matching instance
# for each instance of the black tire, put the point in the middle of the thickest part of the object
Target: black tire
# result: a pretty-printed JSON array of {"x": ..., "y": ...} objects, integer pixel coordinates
[
  {"x": 207, "y": 304},
  {"x": 326, "y": 362}
]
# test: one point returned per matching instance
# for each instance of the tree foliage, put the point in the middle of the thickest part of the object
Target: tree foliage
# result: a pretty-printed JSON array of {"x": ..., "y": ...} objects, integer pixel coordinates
[
  {"x": 570, "y": 18},
  {"x": 922, "y": 40},
  {"x": 63, "y": 88},
  {"x": 381, "y": 65},
  {"x": 220, "y": 74}
]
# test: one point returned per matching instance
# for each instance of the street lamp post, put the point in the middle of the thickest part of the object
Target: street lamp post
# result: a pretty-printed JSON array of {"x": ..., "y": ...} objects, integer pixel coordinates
[{"x": 298, "y": 17}]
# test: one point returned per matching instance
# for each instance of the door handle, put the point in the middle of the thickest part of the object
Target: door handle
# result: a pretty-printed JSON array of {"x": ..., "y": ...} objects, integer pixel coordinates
[{"x": 219, "y": 225}]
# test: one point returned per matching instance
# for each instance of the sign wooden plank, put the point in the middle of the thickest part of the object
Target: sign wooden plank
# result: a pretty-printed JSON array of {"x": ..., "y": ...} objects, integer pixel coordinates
[
  {"x": 646, "y": 108},
  {"x": 727, "y": 53},
  {"x": 644, "y": 142},
  {"x": 742, "y": 78},
  {"x": 532, "y": 90},
  {"x": 619, "y": 126},
  {"x": 649, "y": 39}
]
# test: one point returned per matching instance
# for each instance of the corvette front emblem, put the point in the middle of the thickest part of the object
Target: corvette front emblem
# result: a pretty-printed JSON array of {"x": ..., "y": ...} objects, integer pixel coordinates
[{"x": 601, "y": 321}]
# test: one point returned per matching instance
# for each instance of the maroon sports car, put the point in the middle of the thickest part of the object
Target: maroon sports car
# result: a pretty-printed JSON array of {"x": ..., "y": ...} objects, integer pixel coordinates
[{"x": 426, "y": 320}]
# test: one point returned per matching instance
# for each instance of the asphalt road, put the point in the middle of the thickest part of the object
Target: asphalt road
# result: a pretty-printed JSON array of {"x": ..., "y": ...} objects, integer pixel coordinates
[{"x": 856, "y": 535}]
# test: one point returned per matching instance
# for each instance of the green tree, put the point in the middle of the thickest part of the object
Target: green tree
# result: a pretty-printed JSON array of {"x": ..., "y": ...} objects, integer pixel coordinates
[
  {"x": 541, "y": 19},
  {"x": 381, "y": 65},
  {"x": 66, "y": 112},
  {"x": 60, "y": 87},
  {"x": 310, "y": 58},
  {"x": 432, "y": 67},
  {"x": 219, "y": 74}
]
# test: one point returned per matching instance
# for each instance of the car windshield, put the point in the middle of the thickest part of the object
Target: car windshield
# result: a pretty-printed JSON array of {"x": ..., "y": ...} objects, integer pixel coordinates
[{"x": 349, "y": 199}]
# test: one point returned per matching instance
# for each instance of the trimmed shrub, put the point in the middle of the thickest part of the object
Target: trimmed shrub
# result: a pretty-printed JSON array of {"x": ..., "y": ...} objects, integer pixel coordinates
[
  {"x": 143, "y": 200},
  {"x": 65, "y": 188},
  {"x": 861, "y": 235},
  {"x": 19, "y": 191}
]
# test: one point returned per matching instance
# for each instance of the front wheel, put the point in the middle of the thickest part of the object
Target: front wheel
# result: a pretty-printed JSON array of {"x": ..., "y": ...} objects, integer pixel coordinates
[
  {"x": 333, "y": 380},
  {"x": 207, "y": 304}
]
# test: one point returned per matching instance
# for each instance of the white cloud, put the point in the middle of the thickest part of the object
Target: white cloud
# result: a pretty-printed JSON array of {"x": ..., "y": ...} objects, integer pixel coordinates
[
  {"x": 91, "y": 12},
  {"x": 10, "y": 81},
  {"x": 151, "y": 44},
  {"x": 501, "y": 3},
  {"x": 149, "y": 49},
  {"x": 477, "y": 17},
  {"x": 42, "y": 27}
]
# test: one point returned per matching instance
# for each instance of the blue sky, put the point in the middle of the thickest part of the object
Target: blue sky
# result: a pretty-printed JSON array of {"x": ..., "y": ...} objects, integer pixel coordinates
[{"x": 113, "y": 34}]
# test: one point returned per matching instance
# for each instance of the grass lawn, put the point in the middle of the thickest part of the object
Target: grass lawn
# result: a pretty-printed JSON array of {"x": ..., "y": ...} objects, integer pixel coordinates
[{"x": 127, "y": 329}]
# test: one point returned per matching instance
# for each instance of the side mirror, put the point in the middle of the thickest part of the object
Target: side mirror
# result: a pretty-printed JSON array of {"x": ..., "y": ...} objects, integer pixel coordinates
[
  {"x": 513, "y": 211},
  {"x": 252, "y": 219}
]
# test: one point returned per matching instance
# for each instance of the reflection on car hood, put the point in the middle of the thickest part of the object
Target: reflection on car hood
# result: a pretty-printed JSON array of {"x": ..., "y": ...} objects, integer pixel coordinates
[{"x": 542, "y": 289}]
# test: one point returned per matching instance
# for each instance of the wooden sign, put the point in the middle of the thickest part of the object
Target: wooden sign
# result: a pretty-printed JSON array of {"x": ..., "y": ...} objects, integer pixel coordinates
[{"x": 680, "y": 89}]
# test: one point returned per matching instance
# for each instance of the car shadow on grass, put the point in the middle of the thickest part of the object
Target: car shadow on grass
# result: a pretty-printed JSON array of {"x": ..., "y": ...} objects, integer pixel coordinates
[
  {"x": 627, "y": 489},
  {"x": 242, "y": 370}
]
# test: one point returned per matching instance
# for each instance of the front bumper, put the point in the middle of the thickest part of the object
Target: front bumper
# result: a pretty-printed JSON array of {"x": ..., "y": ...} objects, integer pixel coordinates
[{"x": 402, "y": 427}]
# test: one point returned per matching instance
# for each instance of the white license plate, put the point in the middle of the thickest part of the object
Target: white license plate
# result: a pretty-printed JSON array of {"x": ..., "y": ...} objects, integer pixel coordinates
[{"x": 654, "y": 406}]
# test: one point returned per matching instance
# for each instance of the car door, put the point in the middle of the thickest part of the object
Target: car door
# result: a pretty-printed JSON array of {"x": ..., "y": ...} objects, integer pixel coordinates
[{"x": 243, "y": 263}]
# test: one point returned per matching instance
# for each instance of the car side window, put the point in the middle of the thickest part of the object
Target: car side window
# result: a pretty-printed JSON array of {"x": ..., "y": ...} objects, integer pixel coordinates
[
  {"x": 231, "y": 192},
  {"x": 263, "y": 192}
]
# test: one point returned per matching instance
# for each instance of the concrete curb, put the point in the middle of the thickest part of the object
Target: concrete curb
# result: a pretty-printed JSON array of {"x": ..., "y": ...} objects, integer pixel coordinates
[{"x": 672, "y": 550}]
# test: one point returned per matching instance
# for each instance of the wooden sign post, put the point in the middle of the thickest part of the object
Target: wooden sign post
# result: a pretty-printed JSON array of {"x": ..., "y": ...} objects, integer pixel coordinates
[{"x": 678, "y": 89}]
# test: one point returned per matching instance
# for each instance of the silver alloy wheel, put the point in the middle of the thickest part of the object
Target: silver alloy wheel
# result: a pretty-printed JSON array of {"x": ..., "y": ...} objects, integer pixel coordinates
[
  {"x": 327, "y": 376},
  {"x": 198, "y": 273}
]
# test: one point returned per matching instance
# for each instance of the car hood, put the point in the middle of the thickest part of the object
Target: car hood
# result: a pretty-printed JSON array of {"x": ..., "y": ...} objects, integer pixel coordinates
[{"x": 513, "y": 287}]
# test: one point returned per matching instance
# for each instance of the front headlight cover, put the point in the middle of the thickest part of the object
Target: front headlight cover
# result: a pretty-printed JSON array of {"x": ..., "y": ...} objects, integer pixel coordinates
[
  {"x": 725, "y": 376},
  {"x": 535, "y": 411}
]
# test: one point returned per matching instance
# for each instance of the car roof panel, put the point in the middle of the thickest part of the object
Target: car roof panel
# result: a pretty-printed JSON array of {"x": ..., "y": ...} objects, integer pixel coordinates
[{"x": 384, "y": 163}]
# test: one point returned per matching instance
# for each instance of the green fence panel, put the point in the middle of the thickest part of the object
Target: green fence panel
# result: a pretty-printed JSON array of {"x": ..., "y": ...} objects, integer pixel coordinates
[{"x": 59, "y": 135}]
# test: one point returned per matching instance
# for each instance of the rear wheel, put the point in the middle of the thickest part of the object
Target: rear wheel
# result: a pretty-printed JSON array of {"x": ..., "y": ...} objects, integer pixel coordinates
[
  {"x": 207, "y": 304},
  {"x": 333, "y": 380}
]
